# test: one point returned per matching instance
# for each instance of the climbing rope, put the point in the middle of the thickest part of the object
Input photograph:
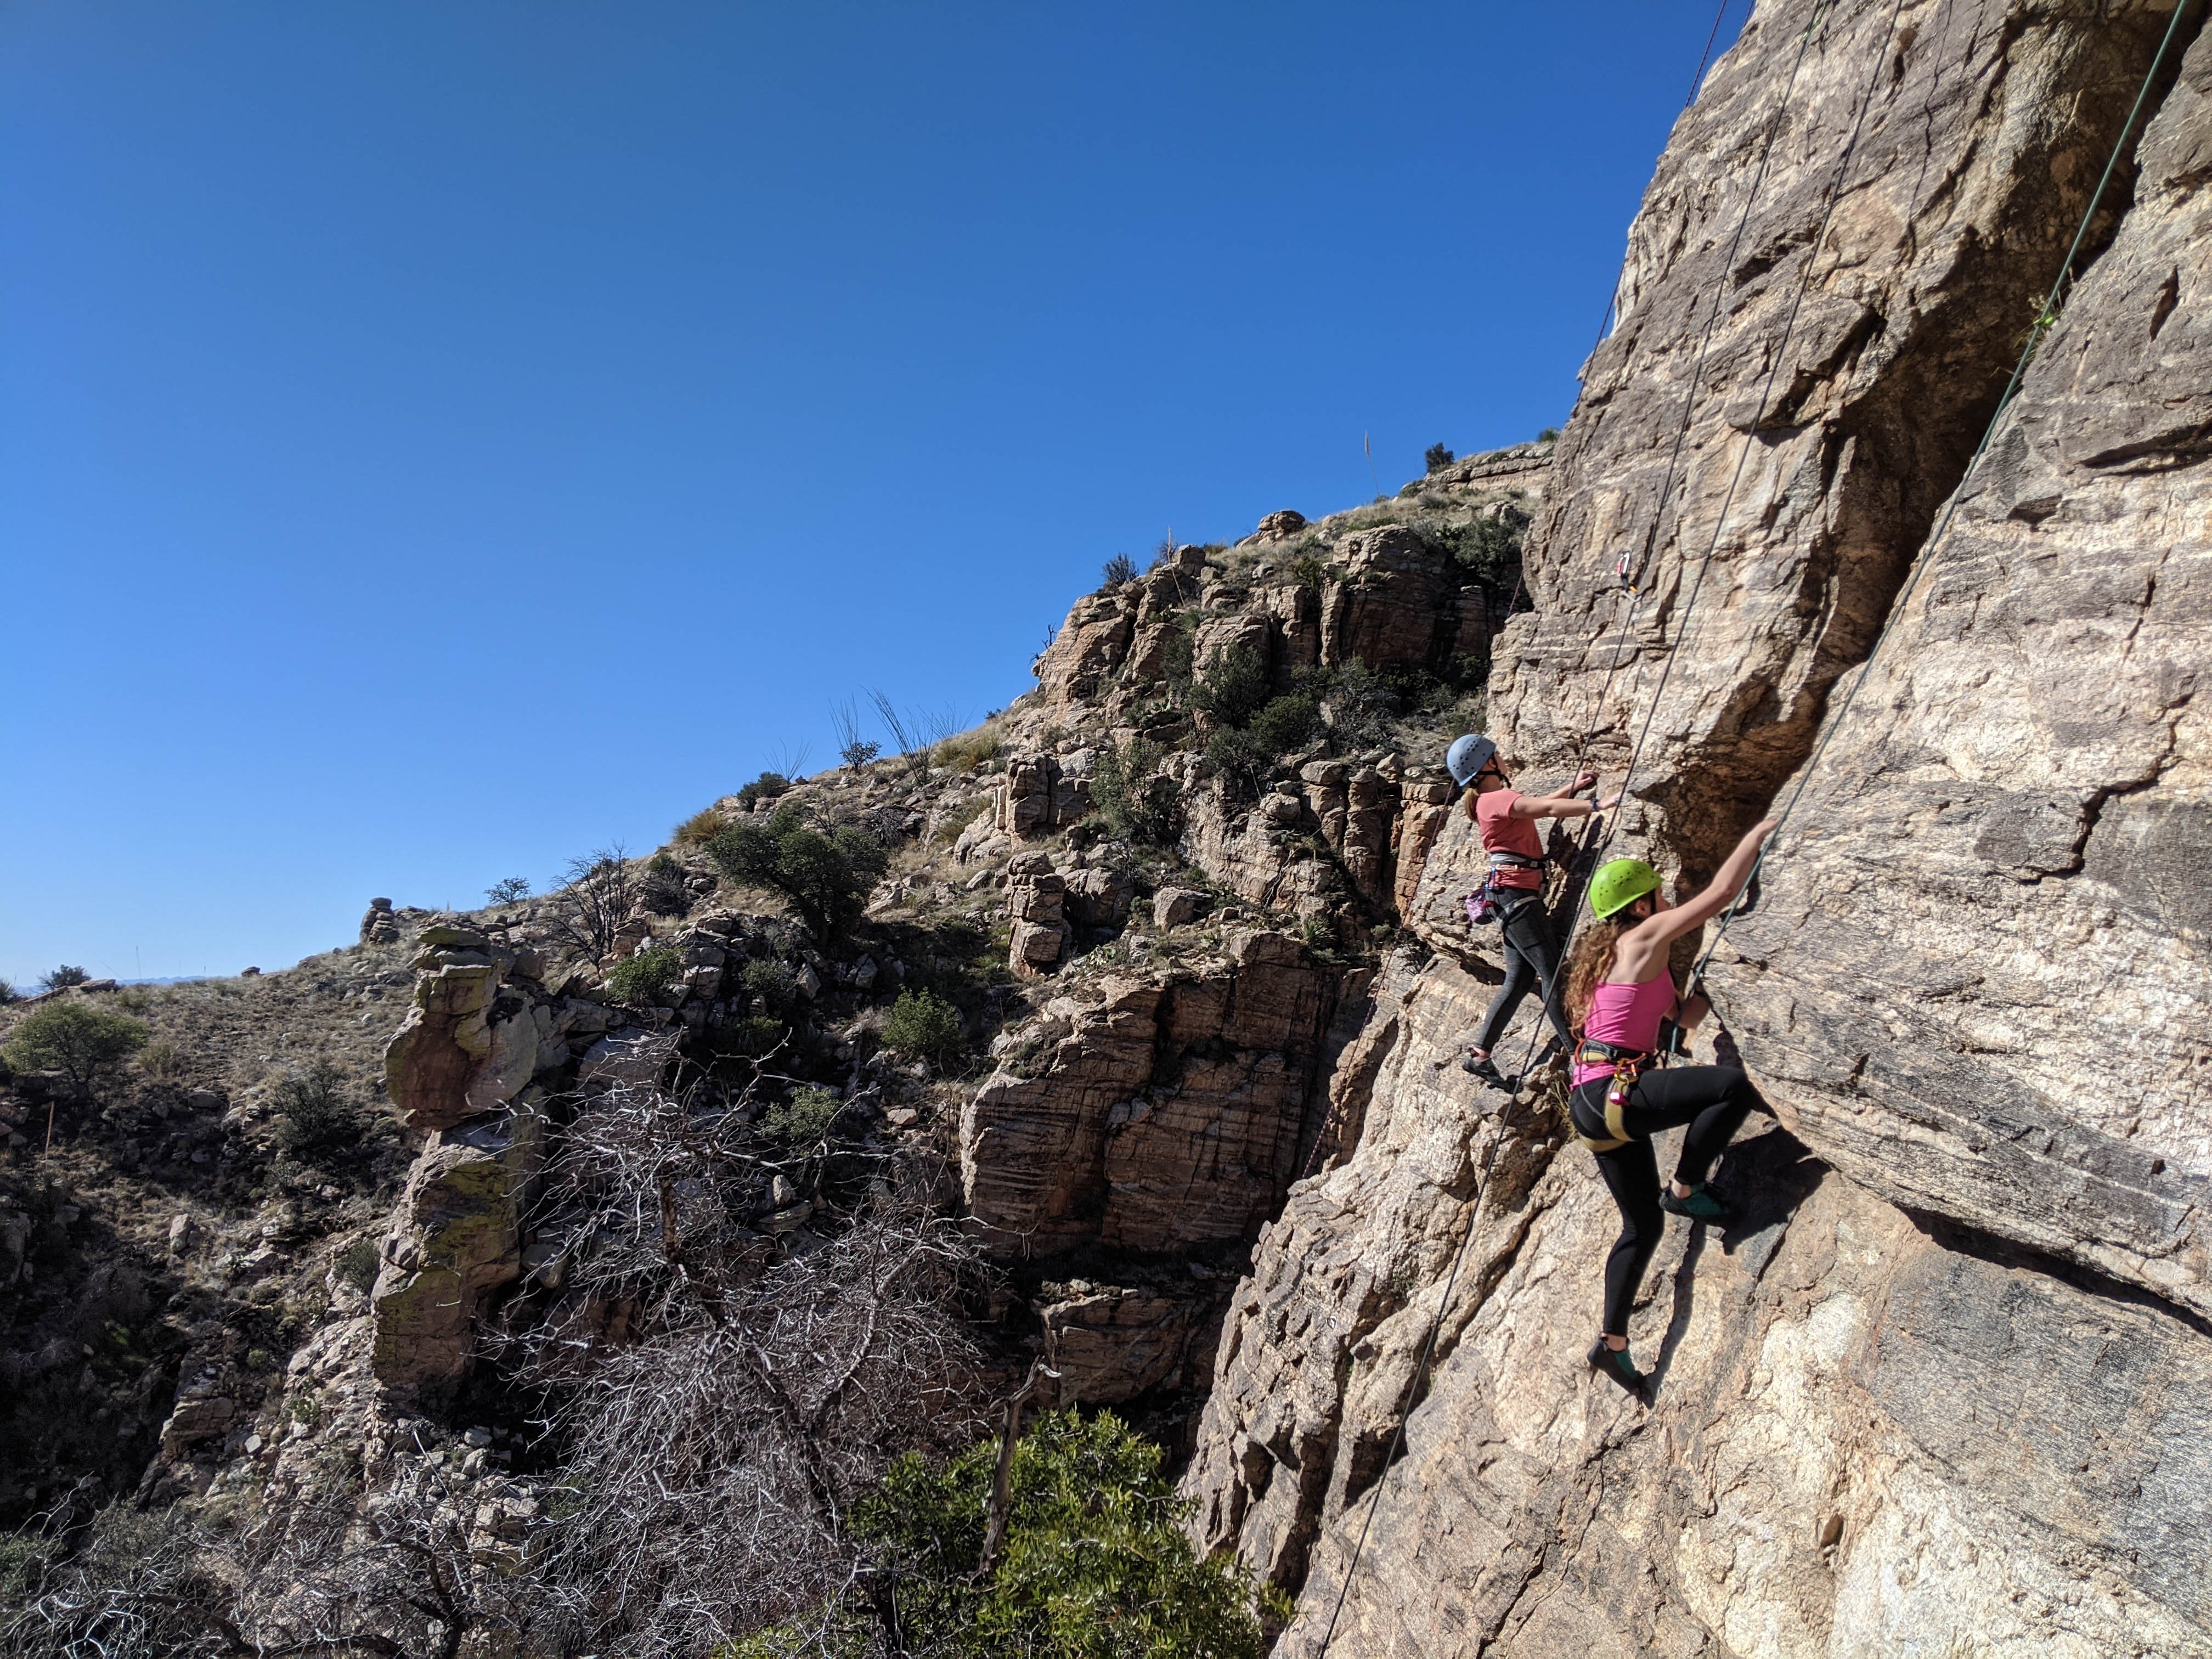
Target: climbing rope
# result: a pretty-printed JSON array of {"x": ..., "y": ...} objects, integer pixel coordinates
[
  {"x": 2044, "y": 318},
  {"x": 1628, "y": 577}
]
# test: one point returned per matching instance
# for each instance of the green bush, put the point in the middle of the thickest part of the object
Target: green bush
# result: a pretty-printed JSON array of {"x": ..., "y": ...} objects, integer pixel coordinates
[
  {"x": 803, "y": 1118},
  {"x": 828, "y": 877},
  {"x": 1232, "y": 687},
  {"x": 1550, "y": 434},
  {"x": 319, "y": 1118},
  {"x": 1096, "y": 1563},
  {"x": 1131, "y": 797},
  {"x": 924, "y": 1024},
  {"x": 1119, "y": 569},
  {"x": 776, "y": 985},
  {"x": 80, "y": 1042},
  {"x": 6, "y": 993},
  {"x": 647, "y": 980},
  {"x": 767, "y": 786},
  {"x": 63, "y": 977},
  {"x": 1437, "y": 458},
  {"x": 358, "y": 1265}
]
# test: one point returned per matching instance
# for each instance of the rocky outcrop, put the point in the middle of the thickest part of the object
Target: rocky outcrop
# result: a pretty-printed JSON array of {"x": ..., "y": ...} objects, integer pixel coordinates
[
  {"x": 468, "y": 1044},
  {"x": 1151, "y": 1111},
  {"x": 455, "y": 1238},
  {"x": 1932, "y": 1392}
]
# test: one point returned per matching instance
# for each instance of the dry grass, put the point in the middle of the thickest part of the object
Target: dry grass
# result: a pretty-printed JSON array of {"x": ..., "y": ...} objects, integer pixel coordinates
[{"x": 700, "y": 828}]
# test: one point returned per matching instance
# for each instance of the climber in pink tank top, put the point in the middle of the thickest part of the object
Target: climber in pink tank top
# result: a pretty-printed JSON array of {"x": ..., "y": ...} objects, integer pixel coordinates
[{"x": 1622, "y": 998}]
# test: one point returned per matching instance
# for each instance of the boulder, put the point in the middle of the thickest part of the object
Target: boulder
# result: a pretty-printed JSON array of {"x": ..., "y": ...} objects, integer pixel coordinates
[{"x": 454, "y": 1240}]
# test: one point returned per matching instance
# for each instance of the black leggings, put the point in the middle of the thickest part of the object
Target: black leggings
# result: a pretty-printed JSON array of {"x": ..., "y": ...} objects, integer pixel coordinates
[
  {"x": 1531, "y": 960},
  {"x": 1714, "y": 1101}
]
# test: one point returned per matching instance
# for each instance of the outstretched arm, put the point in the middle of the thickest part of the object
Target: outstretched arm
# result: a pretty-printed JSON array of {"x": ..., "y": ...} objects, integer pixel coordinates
[
  {"x": 1650, "y": 939},
  {"x": 1566, "y": 804}
]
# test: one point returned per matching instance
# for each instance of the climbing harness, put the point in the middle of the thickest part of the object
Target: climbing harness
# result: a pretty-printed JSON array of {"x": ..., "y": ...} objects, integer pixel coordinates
[
  {"x": 1628, "y": 1066},
  {"x": 1492, "y": 902}
]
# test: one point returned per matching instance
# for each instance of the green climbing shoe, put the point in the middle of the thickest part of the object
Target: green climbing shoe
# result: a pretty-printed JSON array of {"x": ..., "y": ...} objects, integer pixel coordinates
[
  {"x": 1699, "y": 1206},
  {"x": 1616, "y": 1364}
]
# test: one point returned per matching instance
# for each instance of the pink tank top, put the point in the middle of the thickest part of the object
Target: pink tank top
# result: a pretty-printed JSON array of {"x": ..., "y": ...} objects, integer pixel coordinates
[{"x": 1627, "y": 1017}]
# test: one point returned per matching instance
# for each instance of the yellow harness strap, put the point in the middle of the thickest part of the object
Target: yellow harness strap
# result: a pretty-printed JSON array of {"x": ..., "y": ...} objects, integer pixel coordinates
[
  {"x": 1613, "y": 1122},
  {"x": 1625, "y": 1070}
]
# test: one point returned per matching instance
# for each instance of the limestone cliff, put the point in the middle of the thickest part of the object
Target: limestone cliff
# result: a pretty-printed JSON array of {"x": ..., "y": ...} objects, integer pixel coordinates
[{"x": 1942, "y": 1389}]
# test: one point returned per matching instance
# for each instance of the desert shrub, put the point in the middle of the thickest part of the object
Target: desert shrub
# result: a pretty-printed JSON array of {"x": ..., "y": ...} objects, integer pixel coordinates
[
  {"x": 775, "y": 985},
  {"x": 8, "y": 993},
  {"x": 1131, "y": 798},
  {"x": 664, "y": 889},
  {"x": 1550, "y": 434},
  {"x": 63, "y": 977},
  {"x": 1175, "y": 658},
  {"x": 508, "y": 890},
  {"x": 319, "y": 1119},
  {"x": 924, "y": 1024},
  {"x": 647, "y": 980},
  {"x": 700, "y": 828},
  {"x": 1232, "y": 687},
  {"x": 767, "y": 786},
  {"x": 358, "y": 1265},
  {"x": 1436, "y": 458},
  {"x": 161, "y": 1062},
  {"x": 1119, "y": 569},
  {"x": 827, "y": 875},
  {"x": 1307, "y": 570},
  {"x": 1094, "y": 1563},
  {"x": 1286, "y": 722},
  {"x": 801, "y": 1118},
  {"x": 83, "y": 1044}
]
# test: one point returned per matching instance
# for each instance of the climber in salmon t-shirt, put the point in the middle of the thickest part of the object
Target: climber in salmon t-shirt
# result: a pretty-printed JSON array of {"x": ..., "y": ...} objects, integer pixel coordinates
[
  {"x": 1621, "y": 990},
  {"x": 1513, "y": 893}
]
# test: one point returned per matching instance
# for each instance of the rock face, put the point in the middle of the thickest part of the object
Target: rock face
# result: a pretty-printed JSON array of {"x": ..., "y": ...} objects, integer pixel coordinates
[
  {"x": 1154, "y": 1112},
  {"x": 2021, "y": 790},
  {"x": 455, "y": 1238},
  {"x": 1941, "y": 1388}
]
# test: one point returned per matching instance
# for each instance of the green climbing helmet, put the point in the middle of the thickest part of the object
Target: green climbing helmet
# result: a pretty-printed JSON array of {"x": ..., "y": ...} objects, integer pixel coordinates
[{"x": 1620, "y": 883}]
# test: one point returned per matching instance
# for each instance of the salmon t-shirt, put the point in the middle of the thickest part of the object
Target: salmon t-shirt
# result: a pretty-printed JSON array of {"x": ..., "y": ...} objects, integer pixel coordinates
[{"x": 1503, "y": 833}]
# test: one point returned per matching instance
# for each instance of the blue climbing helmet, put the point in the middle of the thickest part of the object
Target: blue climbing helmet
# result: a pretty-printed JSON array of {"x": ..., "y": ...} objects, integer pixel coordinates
[{"x": 1467, "y": 757}]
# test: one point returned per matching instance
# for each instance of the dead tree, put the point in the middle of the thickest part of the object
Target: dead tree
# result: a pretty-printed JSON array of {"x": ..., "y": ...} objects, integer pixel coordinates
[{"x": 600, "y": 896}]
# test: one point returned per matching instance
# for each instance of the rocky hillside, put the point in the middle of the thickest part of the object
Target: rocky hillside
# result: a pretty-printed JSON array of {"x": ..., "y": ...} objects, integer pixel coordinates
[
  {"x": 1942, "y": 1389},
  {"x": 1085, "y": 984}
]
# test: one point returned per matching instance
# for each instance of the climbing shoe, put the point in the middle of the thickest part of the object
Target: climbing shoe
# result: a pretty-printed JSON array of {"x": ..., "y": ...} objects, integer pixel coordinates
[
  {"x": 1487, "y": 1069},
  {"x": 1616, "y": 1364},
  {"x": 1699, "y": 1206}
]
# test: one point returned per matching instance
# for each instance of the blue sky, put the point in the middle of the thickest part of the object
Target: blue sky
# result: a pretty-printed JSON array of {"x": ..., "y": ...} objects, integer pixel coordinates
[{"x": 438, "y": 439}]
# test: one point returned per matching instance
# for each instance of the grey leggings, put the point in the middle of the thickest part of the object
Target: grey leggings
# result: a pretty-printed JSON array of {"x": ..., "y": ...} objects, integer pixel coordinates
[{"x": 1531, "y": 963}]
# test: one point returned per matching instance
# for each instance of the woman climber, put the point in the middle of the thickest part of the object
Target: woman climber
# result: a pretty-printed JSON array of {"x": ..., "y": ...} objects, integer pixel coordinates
[
  {"x": 1621, "y": 990},
  {"x": 1513, "y": 894}
]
